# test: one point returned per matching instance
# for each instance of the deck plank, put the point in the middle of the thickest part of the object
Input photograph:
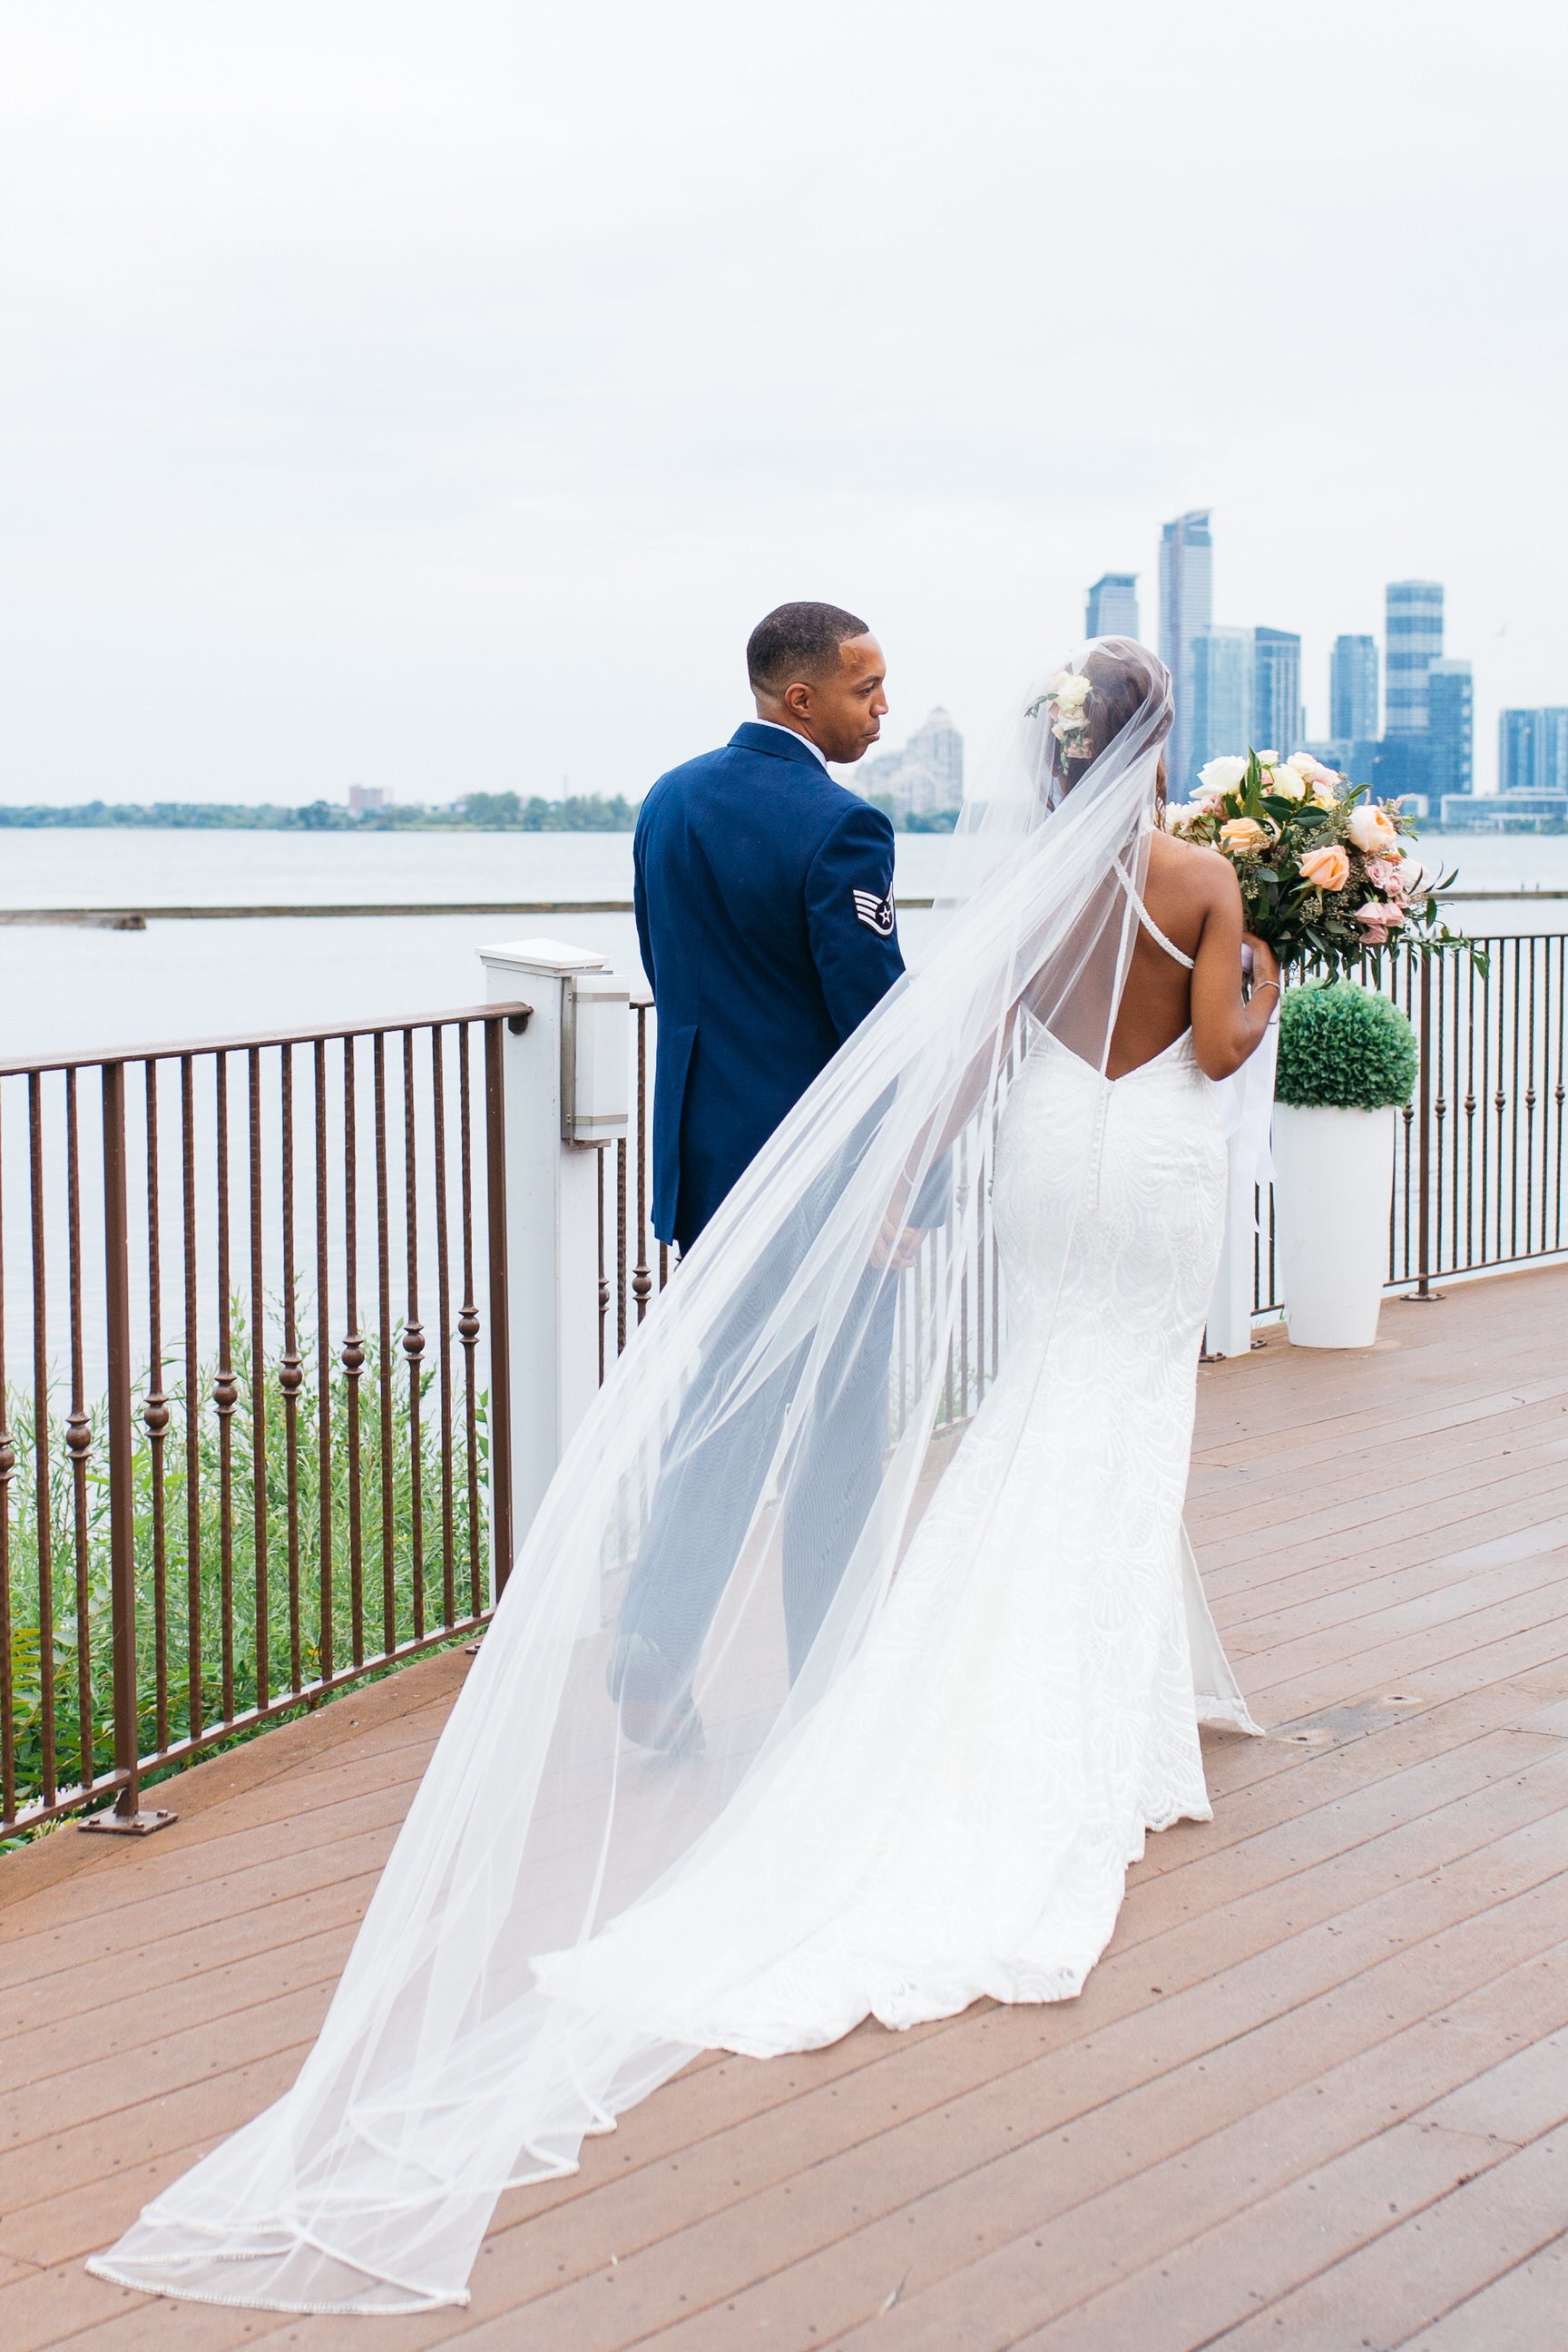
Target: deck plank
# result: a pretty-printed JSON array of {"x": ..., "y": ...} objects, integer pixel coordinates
[{"x": 1341, "y": 1996}]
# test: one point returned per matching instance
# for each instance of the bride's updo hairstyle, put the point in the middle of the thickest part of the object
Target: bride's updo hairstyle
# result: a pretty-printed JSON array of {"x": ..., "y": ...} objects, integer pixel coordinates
[{"x": 1121, "y": 677}]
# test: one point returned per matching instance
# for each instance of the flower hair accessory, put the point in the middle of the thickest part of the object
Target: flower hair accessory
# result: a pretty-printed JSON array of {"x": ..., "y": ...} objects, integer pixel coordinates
[{"x": 1067, "y": 700}]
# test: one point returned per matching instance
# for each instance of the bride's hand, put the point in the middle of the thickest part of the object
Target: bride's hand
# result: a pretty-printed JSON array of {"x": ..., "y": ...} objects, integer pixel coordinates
[
  {"x": 1259, "y": 962},
  {"x": 897, "y": 1245}
]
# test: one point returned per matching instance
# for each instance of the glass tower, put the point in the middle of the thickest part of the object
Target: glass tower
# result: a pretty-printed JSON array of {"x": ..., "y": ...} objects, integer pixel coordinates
[
  {"x": 1450, "y": 726},
  {"x": 1414, "y": 632},
  {"x": 1111, "y": 606},
  {"x": 1353, "y": 689},
  {"x": 1222, "y": 693},
  {"x": 1186, "y": 605},
  {"x": 1533, "y": 750},
  {"x": 1275, "y": 691}
]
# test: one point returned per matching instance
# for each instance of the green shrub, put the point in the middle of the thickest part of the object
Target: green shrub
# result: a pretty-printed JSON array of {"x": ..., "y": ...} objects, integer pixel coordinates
[
  {"x": 1344, "y": 1047},
  {"x": 393, "y": 1605}
]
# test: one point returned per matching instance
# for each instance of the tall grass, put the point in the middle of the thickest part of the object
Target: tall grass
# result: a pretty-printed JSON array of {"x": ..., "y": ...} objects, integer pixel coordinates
[{"x": 182, "y": 1616}]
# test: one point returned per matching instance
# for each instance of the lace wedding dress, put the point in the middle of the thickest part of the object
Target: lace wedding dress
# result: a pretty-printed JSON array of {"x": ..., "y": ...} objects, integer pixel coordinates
[
  {"x": 934, "y": 1794},
  {"x": 956, "y": 1818}
]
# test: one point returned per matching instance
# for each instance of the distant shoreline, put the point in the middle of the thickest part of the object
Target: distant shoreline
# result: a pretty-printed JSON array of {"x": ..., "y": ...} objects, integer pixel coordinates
[
  {"x": 480, "y": 812},
  {"x": 489, "y": 812}
]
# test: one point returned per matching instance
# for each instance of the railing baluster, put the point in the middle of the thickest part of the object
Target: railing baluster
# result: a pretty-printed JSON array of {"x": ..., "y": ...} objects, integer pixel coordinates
[
  {"x": 326, "y": 1630},
  {"x": 226, "y": 1394},
  {"x": 352, "y": 1353},
  {"x": 260, "y": 1598},
  {"x": 500, "y": 1335},
  {"x": 1558, "y": 1089},
  {"x": 155, "y": 1417},
  {"x": 291, "y": 1366},
  {"x": 642, "y": 1283},
  {"x": 468, "y": 1319},
  {"x": 620, "y": 1245},
  {"x": 126, "y": 1815},
  {"x": 196, "y": 1704},
  {"x": 8, "y": 1470},
  {"x": 384, "y": 1369},
  {"x": 43, "y": 1483},
  {"x": 444, "y": 1314},
  {"x": 604, "y": 1277},
  {"x": 79, "y": 1439},
  {"x": 413, "y": 1347}
]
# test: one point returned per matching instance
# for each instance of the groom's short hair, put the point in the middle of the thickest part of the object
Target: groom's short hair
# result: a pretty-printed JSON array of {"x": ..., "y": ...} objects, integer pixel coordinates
[{"x": 798, "y": 640}]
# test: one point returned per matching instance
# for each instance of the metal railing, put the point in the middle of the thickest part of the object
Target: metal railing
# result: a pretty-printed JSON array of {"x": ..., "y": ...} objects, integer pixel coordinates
[
  {"x": 1477, "y": 1175},
  {"x": 254, "y": 1435},
  {"x": 1477, "y": 1182},
  {"x": 258, "y": 1446}
]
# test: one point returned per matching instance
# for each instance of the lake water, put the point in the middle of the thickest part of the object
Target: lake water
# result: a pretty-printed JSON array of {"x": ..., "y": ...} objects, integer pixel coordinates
[{"x": 84, "y": 989}]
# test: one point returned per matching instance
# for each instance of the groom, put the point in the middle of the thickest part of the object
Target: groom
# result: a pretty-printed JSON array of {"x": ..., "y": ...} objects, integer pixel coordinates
[{"x": 764, "y": 910}]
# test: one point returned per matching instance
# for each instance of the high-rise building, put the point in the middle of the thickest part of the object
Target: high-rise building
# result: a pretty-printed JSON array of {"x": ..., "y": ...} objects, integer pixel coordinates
[
  {"x": 1275, "y": 691},
  {"x": 926, "y": 776},
  {"x": 1222, "y": 693},
  {"x": 1450, "y": 726},
  {"x": 1554, "y": 749},
  {"x": 1186, "y": 605},
  {"x": 1414, "y": 633},
  {"x": 1353, "y": 689},
  {"x": 1533, "y": 750},
  {"x": 1111, "y": 606}
]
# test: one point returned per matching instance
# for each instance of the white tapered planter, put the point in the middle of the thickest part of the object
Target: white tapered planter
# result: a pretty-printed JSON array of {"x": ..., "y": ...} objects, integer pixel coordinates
[{"x": 1333, "y": 1180}]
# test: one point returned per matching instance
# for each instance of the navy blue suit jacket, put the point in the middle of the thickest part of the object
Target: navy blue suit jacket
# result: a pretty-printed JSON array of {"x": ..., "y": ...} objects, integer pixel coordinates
[{"x": 764, "y": 907}]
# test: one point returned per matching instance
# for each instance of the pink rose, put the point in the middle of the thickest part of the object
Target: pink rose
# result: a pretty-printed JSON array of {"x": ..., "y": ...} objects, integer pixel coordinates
[
  {"x": 1378, "y": 919},
  {"x": 1385, "y": 874}
]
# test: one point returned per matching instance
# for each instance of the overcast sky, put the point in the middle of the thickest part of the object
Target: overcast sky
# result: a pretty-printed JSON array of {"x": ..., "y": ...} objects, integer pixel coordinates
[{"x": 432, "y": 395}]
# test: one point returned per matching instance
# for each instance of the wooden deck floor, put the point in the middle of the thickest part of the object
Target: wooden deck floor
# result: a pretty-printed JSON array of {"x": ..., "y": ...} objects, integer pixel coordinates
[{"x": 1315, "y": 2097}]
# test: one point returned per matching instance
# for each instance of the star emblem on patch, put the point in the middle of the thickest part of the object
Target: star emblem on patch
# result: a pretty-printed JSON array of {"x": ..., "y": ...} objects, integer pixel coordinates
[{"x": 876, "y": 914}]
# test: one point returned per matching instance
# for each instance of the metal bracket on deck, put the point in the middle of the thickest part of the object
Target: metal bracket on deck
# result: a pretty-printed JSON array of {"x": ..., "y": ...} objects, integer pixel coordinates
[{"x": 112, "y": 1822}]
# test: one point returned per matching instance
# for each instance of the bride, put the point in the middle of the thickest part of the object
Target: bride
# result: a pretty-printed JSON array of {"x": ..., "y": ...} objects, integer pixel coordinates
[{"x": 940, "y": 1800}]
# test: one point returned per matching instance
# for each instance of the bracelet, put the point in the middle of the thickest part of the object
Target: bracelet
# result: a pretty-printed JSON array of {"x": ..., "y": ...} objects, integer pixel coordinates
[{"x": 1274, "y": 984}]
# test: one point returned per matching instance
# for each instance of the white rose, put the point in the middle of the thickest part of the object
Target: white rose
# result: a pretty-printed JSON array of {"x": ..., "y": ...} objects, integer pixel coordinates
[
  {"x": 1327, "y": 796},
  {"x": 1221, "y": 776},
  {"x": 1071, "y": 693},
  {"x": 1371, "y": 830},
  {"x": 1268, "y": 759},
  {"x": 1288, "y": 783}
]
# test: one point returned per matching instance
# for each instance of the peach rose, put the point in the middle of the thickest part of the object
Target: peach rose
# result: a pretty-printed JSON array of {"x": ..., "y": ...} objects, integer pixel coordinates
[
  {"x": 1243, "y": 834},
  {"x": 1372, "y": 830},
  {"x": 1326, "y": 870}
]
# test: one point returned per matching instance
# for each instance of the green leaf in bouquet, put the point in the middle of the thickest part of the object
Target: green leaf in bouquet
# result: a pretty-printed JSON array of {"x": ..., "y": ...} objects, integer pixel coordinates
[{"x": 1276, "y": 806}]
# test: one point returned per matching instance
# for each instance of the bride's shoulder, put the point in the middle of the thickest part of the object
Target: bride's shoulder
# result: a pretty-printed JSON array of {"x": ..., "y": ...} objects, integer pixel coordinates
[{"x": 1192, "y": 865}]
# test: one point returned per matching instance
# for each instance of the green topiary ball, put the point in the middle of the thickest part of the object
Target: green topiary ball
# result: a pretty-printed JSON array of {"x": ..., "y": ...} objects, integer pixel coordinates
[{"x": 1344, "y": 1047}]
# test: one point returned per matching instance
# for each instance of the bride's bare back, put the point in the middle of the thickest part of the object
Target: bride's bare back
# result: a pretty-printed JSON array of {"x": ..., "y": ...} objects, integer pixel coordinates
[{"x": 1194, "y": 897}]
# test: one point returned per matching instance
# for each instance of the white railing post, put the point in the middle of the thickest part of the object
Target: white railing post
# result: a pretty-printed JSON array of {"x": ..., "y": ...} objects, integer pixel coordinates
[{"x": 565, "y": 1092}]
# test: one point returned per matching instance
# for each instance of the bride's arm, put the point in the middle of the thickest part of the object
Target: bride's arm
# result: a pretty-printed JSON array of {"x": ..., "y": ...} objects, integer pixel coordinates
[{"x": 1228, "y": 1027}]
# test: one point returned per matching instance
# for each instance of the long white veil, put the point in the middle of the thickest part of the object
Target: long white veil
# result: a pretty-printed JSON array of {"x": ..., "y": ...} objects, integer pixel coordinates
[{"x": 719, "y": 1539}]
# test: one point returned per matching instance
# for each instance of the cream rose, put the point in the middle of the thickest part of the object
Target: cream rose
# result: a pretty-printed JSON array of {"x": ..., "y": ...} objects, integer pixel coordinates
[
  {"x": 1326, "y": 870},
  {"x": 1372, "y": 830},
  {"x": 1242, "y": 836},
  {"x": 1223, "y": 776},
  {"x": 1289, "y": 782},
  {"x": 1070, "y": 692}
]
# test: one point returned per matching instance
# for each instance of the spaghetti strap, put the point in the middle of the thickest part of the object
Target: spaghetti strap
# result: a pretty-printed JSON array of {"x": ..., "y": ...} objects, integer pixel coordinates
[{"x": 1188, "y": 963}]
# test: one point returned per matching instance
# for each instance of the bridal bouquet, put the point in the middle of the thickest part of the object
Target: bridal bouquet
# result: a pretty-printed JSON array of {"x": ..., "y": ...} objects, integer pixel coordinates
[{"x": 1321, "y": 868}]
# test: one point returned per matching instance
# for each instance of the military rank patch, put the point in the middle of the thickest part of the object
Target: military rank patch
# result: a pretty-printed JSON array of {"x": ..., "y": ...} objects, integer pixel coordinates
[{"x": 876, "y": 914}]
